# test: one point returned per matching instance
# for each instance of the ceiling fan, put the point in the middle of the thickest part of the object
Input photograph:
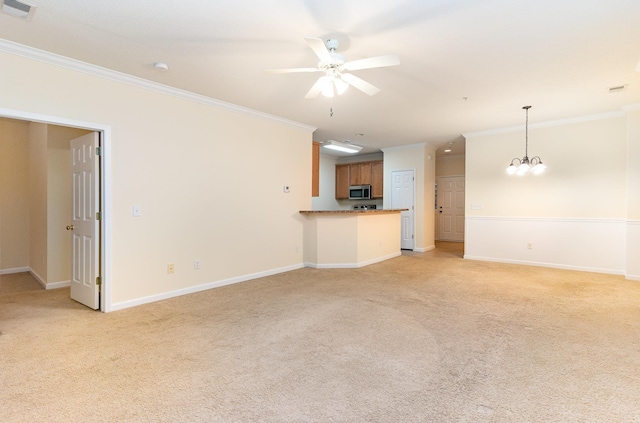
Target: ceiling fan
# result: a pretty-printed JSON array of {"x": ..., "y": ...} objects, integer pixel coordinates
[{"x": 334, "y": 65}]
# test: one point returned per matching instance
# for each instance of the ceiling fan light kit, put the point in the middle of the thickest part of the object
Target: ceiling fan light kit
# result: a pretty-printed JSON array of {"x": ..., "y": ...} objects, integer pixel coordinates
[
  {"x": 334, "y": 65},
  {"x": 526, "y": 165},
  {"x": 343, "y": 146}
]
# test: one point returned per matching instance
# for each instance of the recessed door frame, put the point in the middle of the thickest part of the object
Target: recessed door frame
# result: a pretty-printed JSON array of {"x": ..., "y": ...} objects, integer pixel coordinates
[
  {"x": 439, "y": 216},
  {"x": 409, "y": 215},
  {"x": 105, "y": 185}
]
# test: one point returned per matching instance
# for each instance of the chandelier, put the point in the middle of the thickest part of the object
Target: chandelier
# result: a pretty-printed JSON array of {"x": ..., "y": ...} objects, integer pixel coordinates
[{"x": 526, "y": 165}]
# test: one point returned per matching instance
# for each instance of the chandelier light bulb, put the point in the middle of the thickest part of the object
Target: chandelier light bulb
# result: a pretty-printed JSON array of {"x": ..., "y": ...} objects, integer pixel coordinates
[{"x": 525, "y": 165}]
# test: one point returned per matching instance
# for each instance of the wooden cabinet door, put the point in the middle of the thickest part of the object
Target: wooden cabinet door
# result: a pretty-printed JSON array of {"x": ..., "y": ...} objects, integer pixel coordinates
[
  {"x": 377, "y": 179},
  {"x": 365, "y": 173},
  {"x": 360, "y": 173},
  {"x": 354, "y": 174},
  {"x": 342, "y": 181}
]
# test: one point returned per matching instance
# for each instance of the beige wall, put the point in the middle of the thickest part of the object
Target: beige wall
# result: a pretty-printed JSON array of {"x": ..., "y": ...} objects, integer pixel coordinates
[
  {"x": 327, "y": 198},
  {"x": 38, "y": 200},
  {"x": 633, "y": 168},
  {"x": 209, "y": 179},
  {"x": 576, "y": 215},
  {"x": 421, "y": 159},
  {"x": 586, "y": 175},
  {"x": 14, "y": 200},
  {"x": 37, "y": 162},
  {"x": 450, "y": 165},
  {"x": 633, "y": 196},
  {"x": 350, "y": 240}
]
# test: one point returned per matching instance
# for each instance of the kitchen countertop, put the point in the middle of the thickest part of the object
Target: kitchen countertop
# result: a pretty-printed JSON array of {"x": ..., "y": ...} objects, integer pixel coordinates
[{"x": 373, "y": 211}]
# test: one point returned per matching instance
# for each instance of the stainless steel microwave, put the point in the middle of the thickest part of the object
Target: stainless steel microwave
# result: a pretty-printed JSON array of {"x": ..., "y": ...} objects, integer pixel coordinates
[{"x": 360, "y": 192}]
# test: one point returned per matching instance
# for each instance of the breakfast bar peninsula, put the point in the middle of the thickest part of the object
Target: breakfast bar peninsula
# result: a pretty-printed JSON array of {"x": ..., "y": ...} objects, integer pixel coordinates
[{"x": 350, "y": 238}]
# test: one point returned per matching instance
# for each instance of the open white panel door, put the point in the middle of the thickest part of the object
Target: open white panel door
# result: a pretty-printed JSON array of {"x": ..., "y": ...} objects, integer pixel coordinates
[
  {"x": 85, "y": 225},
  {"x": 402, "y": 197}
]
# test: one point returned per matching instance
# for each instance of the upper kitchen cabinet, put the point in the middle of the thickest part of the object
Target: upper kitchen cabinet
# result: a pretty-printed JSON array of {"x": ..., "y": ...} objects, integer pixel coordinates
[
  {"x": 362, "y": 173},
  {"x": 342, "y": 182},
  {"x": 377, "y": 179}
]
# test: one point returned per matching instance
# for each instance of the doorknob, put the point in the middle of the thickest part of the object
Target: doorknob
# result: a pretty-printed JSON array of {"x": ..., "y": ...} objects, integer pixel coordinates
[{"x": 69, "y": 227}]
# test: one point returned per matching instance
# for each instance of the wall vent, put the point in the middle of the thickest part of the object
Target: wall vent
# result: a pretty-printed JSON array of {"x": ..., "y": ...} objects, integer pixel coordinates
[{"x": 18, "y": 9}]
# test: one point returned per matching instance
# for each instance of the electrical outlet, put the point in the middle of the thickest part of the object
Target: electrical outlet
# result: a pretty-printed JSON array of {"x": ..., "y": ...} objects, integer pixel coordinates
[
  {"x": 196, "y": 264},
  {"x": 529, "y": 246},
  {"x": 170, "y": 268}
]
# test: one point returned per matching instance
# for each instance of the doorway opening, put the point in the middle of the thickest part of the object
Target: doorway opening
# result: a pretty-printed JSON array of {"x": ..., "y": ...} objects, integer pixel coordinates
[
  {"x": 52, "y": 222},
  {"x": 450, "y": 208}
]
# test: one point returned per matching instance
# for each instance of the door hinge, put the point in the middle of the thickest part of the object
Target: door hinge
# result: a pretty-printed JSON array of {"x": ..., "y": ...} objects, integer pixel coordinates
[
  {"x": 98, "y": 216},
  {"x": 412, "y": 236},
  {"x": 98, "y": 281},
  {"x": 98, "y": 151}
]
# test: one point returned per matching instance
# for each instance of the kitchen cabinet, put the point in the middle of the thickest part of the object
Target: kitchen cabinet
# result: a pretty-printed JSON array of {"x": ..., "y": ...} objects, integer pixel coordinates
[
  {"x": 342, "y": 182},
  {"x": 377, "y": 179},
  {"x": 362, "y": 173}
]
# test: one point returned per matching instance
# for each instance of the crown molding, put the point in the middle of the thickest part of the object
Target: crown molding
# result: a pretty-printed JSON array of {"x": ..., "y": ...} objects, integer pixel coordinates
[
  {"x": 559, "y": 122},
  {"x": 11, "y": 47}
]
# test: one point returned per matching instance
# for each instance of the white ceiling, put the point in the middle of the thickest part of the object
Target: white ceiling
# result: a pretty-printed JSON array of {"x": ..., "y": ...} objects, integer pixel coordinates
[{"x": 466, "y": 65}]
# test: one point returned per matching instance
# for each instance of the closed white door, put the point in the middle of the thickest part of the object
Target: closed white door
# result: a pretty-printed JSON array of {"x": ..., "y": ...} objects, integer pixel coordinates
[
  {"x": 85, "y": 226},
  {"x": 402, "y": 197},
  {"x": 451, "y": 208}
]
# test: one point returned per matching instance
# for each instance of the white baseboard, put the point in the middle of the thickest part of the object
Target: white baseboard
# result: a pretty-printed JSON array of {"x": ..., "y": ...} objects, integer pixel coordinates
[
  {"x": 425, "y": 249},
  {"x": 38, "y": 278},
  {"x": 542, "y": 264},
  {"x": 56, "y": 285},
  {"x": 185, "y": 291},
  {"x": 352, "y": 265},
  {"x": 13, "y": 270}
]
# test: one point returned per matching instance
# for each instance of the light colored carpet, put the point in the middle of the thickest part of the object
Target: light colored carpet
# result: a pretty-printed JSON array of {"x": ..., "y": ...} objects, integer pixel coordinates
[
  {"x": 18, "y": 282},
  {"x": 419, "y": 338}
]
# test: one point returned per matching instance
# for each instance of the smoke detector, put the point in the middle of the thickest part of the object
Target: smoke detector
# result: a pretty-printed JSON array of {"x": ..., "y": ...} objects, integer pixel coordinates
[
  {"x": 162, "y": 67},
  {"x": 18, "y": 9}
]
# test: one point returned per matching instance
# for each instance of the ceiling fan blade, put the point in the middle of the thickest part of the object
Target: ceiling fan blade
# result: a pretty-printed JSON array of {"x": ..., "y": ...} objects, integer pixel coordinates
[
  {"x": 318, "y": 47},
  {"x": 363, "y": 86},
  {"x": 373, "y": 62},
  {"x": 316, "y": 89},
  {"x": 292, "y": 70}
]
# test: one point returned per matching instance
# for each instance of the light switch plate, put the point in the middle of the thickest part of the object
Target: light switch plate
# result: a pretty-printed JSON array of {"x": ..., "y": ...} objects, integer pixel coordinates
[{"x": 137, "y": 211}]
